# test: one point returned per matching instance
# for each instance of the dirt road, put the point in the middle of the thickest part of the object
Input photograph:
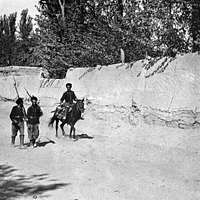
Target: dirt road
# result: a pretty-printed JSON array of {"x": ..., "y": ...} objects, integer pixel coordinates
[{"x": 120, "y": 162}]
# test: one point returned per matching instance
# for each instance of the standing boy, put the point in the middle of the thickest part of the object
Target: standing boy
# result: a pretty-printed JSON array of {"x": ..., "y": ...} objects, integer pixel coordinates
[
  {"x": 34, "y": 112},
  {"x": 17, "y": 116}
]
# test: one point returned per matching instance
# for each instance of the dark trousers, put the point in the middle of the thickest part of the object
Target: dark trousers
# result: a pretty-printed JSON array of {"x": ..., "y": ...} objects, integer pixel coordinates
[
  {"x": 33, "y": 131},
  {"x": 17, "y": 127}
]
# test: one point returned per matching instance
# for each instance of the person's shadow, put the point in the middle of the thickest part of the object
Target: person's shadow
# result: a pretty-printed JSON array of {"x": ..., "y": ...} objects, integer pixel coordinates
[
  {"x": 40, "y": 144},
  {"x": 43, "y": 144},
  {"x": 83, "y": 136}
]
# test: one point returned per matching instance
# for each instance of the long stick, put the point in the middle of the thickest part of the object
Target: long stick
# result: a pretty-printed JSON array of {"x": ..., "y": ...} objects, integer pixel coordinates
[
  {"x": 170, "y": 102},
  {"x": 15, "y": 86},
  {"x": 27, "y": 92}
]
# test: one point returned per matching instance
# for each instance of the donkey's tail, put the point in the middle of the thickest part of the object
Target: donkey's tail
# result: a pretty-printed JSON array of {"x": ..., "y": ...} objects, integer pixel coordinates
[{"x": 52, "y": 121}]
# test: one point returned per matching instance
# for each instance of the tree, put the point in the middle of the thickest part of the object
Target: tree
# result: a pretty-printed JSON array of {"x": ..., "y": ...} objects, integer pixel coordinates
[
  {"x": 195, "y": 25},
  {"x": 84, "y": 33},
  {"x": 25, "y": 40},
  {"x": 25, "y": 25},
  {"x": 8, "y": 38}
]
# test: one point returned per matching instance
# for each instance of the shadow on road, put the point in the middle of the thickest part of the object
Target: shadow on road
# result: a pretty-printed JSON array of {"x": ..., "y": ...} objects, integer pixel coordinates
[
  {"x": 15, "y": 186},
  {"x": 83, "y": 136},
  {"x": 40, "y": 144},
  {"x": 43, "y": 144}
]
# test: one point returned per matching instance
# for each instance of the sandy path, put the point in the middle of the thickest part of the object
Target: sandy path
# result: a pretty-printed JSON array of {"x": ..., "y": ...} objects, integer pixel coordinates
[{"x": 120, "y": 163}]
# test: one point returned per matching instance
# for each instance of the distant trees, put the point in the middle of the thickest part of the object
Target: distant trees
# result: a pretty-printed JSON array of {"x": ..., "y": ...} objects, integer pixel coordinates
[
  {"x": 195, "y": 24},
  {"x": 15, "y": 45},
  {"x": 85, "y": 33},
  {"x": 25, "y": 41},
  {"x": 7, "y": 38}
]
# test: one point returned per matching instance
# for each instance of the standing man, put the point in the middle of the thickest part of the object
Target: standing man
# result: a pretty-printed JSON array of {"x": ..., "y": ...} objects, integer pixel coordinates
[
  {"x": 17, "y": 116},
  {"x": 34, "y": 112}
]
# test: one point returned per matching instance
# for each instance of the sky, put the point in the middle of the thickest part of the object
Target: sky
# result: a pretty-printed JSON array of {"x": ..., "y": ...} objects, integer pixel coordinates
[{"x": 10, "y": 6}]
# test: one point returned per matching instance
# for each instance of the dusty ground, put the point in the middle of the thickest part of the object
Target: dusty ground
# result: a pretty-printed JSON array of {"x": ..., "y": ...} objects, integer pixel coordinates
[{"x": 120, "y": 162}]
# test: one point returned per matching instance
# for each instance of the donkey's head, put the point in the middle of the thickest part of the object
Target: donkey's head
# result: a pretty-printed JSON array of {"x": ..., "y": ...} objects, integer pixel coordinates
[{"x": 80, "y": 105}]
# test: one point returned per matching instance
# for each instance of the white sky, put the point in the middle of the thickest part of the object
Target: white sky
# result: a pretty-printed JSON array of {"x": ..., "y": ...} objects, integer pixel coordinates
[{"x": 10, "y": 6}]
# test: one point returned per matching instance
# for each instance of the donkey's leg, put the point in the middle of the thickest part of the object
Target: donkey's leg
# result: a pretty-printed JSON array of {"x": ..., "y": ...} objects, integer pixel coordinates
[
  {"x": 71, "y": 129},
  {"x": 62, "y": 128},
  {"x": 74, "y": 133},
  {"x": 57, "y": 121}
]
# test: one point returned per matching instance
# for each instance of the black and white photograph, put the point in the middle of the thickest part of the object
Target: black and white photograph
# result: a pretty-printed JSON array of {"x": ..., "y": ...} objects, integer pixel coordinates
[{"x": 99, "y": 99}]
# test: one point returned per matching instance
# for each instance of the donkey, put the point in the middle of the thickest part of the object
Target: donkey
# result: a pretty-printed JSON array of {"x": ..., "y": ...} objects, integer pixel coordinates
[{"x": 70, "y": 119}]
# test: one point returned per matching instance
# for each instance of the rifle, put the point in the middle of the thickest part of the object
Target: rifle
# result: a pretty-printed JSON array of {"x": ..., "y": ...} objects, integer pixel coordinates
[
  {"x": 30, "y": 95},
  {"x": 15, "y": 86},
  {"x": 27, "y": 92}
]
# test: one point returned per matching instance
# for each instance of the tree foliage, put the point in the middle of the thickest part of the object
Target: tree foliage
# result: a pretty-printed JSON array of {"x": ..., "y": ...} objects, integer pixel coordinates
[
  {"x": 7, "y": 38},
  {"x": 86, "y": 33},
  {"x": 15, "y": 46},
  {"x": 25, "y": 41}
]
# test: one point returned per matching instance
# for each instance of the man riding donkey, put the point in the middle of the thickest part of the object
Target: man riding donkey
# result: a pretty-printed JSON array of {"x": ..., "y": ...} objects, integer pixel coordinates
[
  {"x": 66, "y": 102},
  {"x": 68, "y": 112},
  {"x": 18, "y": 116}
]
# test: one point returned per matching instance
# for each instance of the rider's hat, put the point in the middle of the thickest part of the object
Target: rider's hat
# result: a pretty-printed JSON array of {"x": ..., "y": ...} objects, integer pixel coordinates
[
  {"x": 34, "y": 98},
  {"x": 69, "y": 84}
]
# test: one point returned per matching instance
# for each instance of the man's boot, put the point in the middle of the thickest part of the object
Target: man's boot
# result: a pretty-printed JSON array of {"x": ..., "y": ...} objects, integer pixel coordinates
[
  {"x": 21, "y": 140},
  {"x": 82, "y": 118},
  {"x": 35, "y": 143},
  {"x": 13, "y": 140},
  {"x": 31, "y": 143}
]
